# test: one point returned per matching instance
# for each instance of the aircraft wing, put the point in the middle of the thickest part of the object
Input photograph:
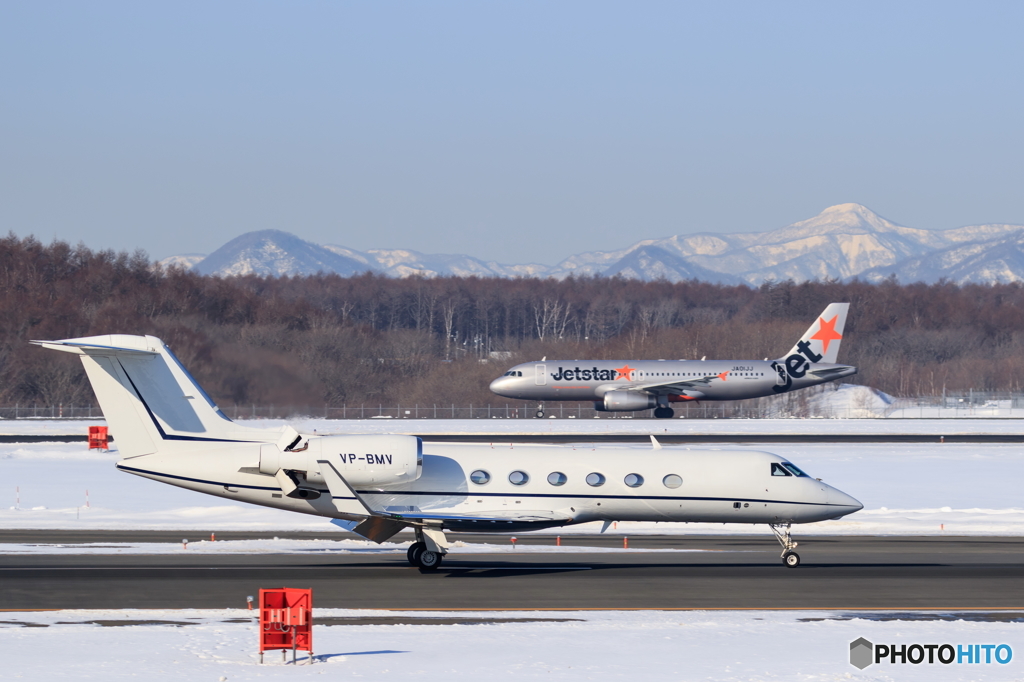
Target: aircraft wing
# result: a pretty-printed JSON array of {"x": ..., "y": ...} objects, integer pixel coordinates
[
  {"x": 379, "y": 523},
  {"x": 502, "y": 516},
  {"x": 672, "y": 387}
]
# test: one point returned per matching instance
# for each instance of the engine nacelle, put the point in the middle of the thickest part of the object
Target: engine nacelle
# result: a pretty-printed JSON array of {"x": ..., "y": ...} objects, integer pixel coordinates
[
  {"x": 625, "y": 401},
  {"x": 361, "y": 460}
]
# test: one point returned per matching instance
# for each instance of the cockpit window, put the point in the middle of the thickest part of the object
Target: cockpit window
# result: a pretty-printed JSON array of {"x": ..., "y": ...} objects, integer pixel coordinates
[
  {"x": 779, "y": 470},
  {"x": 794, "y": 469}
]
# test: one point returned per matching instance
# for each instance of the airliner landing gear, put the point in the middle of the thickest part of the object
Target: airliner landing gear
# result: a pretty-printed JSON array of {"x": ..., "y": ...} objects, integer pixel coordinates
[
  {"x": 428, "y": 550},
  {"x": 428, "y": 560},
  {"x": 414, "y": 552},
  {"x": 664, "y": 412},
  {"x": 790, "y": 558},
  {"x": 540, "y": 412}
]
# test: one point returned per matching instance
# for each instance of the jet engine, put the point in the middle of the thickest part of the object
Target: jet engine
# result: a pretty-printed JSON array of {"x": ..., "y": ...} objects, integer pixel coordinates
[
  {"x": 625, "y": 401},
  {"x": 361, "y": 460}
]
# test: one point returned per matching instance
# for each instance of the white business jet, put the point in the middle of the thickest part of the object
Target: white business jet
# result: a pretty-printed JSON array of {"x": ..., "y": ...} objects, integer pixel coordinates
[{"x": 167, "y": 429}]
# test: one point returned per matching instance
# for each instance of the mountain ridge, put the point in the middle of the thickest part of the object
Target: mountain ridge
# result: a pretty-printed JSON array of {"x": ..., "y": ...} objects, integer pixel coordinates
[{"x": 843, "y": 242}]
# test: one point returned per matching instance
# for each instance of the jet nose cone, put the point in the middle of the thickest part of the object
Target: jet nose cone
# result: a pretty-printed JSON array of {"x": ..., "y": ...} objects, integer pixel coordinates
[
  {"x": 837, "y": 498},
  {"x": 500, "y": 384}
]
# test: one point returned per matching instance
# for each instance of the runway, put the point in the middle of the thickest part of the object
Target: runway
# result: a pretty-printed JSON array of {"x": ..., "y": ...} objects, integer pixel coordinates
[{"x": 731, "y": 572}]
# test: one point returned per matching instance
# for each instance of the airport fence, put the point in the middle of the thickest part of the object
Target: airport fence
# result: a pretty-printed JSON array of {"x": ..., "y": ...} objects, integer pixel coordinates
[{"x": 814, "y": 403}]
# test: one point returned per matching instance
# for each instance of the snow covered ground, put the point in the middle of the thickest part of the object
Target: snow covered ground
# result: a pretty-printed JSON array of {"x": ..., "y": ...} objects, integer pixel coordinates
[
  {"x": 932, "y": 489},
  {"x": 606, "y": 645}
]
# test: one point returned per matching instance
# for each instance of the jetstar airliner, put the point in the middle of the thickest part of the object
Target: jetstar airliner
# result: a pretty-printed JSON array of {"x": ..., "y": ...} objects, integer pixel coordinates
[
  {"x": 631, "y": 385},
  {"x": 167, "y": 429}
]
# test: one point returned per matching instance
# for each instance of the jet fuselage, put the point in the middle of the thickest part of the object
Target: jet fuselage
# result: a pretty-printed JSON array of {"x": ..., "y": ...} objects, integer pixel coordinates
[{"x": 694, "y": 379}]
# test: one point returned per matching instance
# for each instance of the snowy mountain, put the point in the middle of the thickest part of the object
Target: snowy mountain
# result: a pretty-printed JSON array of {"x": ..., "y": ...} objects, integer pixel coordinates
[
  {"x": 184, "y": 261},
  {"x": 272, "y": 252},
  {"x": 653, "y": 262},
  {"x": 841, "y": 242},
  {"x": 997, "y": 260},
  {"x": 404, "y": 263}
]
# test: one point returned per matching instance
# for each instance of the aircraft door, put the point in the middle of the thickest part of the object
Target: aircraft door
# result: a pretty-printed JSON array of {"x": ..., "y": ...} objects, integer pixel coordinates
[
  {"x": 780, "y": 378},
  {"x": 541, "y": 377}
]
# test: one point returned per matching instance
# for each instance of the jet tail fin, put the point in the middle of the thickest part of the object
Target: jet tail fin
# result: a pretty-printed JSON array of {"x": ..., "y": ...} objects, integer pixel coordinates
[
  {"x": 147, "y": 396},
  {"x": 823, "y": 337}
]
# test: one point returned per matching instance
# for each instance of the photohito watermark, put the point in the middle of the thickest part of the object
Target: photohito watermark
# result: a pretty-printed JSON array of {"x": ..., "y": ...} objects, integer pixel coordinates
[{"x": 863, "y": 653}]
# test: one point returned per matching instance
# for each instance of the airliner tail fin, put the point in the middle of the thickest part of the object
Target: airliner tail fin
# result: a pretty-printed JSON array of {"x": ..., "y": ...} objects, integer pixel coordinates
[
  {"x": 823, "y": 337},
  {"x": 147, "y": 396}
]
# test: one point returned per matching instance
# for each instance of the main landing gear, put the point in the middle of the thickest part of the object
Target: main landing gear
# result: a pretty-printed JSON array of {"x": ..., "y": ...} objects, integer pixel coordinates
[
  {"x": 790, "y": 559},
  {"x": 664, "y": 412},
  {"x": 421, "y": 557},
  {"x": 428, "y": 550}
]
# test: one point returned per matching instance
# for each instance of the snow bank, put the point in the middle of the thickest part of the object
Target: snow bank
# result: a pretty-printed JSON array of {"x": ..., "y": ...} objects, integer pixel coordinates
[{"x": 736, "y": 646}]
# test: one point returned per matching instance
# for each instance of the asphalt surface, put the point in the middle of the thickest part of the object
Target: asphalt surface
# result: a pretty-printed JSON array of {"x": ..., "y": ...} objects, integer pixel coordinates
[{"x": 731, "y": 572}]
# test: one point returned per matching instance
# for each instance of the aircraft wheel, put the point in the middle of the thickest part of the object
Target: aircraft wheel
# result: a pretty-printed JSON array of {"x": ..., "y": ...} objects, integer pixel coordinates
[
  {"x": 791, "y": 559},
  {"x": 540, "y": 414},
  {"x": 428, "y": 560},
  {"x": 414, "y": 552}
]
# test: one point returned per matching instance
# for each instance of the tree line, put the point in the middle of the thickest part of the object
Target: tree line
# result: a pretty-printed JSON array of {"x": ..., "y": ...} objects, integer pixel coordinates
[{"x": 332, "y": 340}]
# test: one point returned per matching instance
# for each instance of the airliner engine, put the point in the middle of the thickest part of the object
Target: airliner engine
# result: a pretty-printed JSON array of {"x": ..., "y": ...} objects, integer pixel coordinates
[
  {"x": 362, "y": 460},
  {"x": 625, "y": 401}
]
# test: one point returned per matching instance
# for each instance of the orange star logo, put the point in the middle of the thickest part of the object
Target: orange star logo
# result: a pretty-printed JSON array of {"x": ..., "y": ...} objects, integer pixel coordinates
[
  {"x": 625, "y": 372},
  {"x": 827, "y": 332},
  {"x": 723, "y": 375}
]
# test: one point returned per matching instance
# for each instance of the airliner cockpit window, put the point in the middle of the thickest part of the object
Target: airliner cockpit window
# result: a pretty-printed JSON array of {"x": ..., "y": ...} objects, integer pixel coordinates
[
  {"x": 794, "y": 470},
  {"x": 779, "y": 470}
]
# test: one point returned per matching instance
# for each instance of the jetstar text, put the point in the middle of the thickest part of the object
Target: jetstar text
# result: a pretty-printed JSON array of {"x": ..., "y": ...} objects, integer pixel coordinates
[{"x": 577, "y": 374}]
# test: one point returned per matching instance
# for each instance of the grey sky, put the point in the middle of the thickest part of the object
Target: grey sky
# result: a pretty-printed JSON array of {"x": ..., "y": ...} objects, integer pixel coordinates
[{"x": 512, "y": 131}]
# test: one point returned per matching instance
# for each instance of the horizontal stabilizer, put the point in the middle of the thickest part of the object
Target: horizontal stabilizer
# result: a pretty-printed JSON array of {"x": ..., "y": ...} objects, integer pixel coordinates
[
  {"x": 834, "y": 372},
  {"x": 100, "y": 345}
]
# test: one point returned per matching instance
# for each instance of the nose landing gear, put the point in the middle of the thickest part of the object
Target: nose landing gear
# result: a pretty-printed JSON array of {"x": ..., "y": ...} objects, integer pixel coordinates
[
  {"x": 790, "y": 559},
  {"x": 540, "y": 411}
]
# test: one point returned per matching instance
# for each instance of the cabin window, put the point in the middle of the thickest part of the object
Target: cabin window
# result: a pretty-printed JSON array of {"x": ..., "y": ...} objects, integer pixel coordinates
[
  {"x": 518, "y": 478},
  {"x": 633, "y": 480},
  {"x": 595, "y": 479},
  {"x": 672, "y": 481},
  {"x": 795, "y": 470},
  {"x": 779, "y": 470},
  {"x": 557, "y": 478},
  {"x": 480, "y": 477}
]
